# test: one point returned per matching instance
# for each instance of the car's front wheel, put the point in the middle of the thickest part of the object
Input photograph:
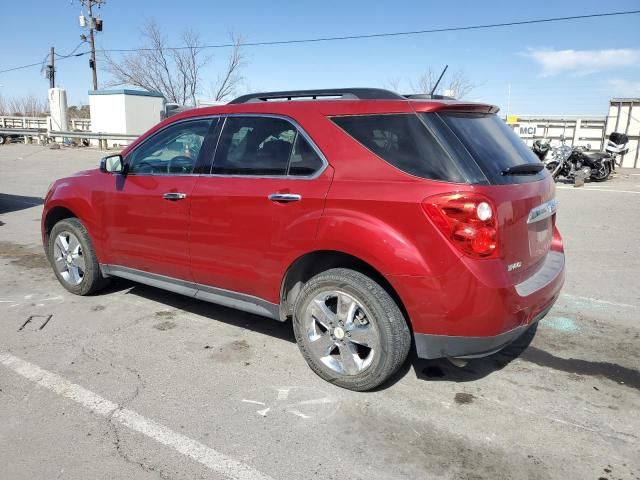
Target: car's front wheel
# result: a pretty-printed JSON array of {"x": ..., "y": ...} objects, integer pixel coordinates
[
  {"x": 73, "y": 258},
  {"x": 350, "y": 330}
]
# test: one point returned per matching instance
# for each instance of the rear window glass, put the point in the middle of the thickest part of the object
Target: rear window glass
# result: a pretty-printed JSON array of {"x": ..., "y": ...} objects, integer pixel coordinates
[
  {"x": 404, "y": 141},
  {"x": 492, "y": 144}
]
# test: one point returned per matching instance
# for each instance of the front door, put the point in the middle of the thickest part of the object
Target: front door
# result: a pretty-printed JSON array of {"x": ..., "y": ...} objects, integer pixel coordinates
[
  {"x": 259, "y": 209},
  {"x": 147, "y": 210}
]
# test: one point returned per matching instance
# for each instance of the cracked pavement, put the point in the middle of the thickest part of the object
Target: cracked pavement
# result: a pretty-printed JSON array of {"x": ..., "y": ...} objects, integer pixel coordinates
[{"x": 561, "y": 404}]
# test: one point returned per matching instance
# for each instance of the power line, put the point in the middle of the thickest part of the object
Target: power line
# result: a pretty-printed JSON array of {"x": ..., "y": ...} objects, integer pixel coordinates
[
  {"x": 364, "y": 36},
  {"x": 391, "y": 34},
  {"x": 39, "y": 63},
  {"x": 73, "y": 52}
]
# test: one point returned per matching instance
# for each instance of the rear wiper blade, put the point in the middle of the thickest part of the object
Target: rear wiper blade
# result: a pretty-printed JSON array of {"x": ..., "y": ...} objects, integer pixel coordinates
[{"x": 524, "y": 169}]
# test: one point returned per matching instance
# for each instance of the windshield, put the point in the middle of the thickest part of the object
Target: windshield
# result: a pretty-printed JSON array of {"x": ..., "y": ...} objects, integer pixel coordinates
[{"x": 493, "y": 145}]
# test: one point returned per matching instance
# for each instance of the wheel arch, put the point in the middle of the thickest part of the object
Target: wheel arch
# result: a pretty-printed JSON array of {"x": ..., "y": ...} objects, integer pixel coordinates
[
  {"x": 313, "y": 263},
  {"x": 53, "y": 216}
]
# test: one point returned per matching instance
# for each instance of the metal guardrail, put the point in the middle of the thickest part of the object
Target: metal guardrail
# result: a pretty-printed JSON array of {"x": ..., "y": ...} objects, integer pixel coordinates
[
  {"x": 77, "y": 134},
  {"x": 93, "y": 135},
  {"x": 102, "y": 137},
  {"x": 23, "y": 131}
]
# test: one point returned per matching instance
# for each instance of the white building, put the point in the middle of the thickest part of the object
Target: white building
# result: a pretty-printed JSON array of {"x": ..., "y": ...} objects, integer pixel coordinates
[{"x": 129, "y": 112}]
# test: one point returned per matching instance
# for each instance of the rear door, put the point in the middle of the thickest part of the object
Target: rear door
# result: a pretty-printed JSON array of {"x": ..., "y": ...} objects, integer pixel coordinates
[
  {"x": 259, "y": 208},
  {"x": 147, "y": 210}
]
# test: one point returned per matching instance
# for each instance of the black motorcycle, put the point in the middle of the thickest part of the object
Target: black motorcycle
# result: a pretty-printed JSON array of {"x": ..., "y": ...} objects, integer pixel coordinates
[{"x": 569, "y": 162}]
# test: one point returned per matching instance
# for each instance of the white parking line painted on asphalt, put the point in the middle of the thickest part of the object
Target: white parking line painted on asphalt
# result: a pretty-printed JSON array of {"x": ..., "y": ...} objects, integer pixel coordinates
[
  {"x": 598, "y": 301},
  {"x": 591, "y": 189},
  {"x": 210, "y": 458}
]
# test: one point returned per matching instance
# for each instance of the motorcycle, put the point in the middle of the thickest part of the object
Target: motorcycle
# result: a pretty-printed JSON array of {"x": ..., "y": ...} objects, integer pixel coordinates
[{"x": 569, "y": 162}]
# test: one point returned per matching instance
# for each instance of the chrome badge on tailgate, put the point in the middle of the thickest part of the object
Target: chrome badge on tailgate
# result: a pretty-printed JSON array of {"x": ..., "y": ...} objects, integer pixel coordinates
[{"x": 543, "y": 211}]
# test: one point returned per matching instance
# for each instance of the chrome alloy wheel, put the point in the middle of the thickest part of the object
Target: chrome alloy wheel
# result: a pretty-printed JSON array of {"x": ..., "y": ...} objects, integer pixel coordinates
[
  {"x": 69, "y": 258},
  {"x": 340, "y": 333}
]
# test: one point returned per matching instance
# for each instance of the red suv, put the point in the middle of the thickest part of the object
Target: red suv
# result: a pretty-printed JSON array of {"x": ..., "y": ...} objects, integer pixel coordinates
[{"x": 373, "y": 221}]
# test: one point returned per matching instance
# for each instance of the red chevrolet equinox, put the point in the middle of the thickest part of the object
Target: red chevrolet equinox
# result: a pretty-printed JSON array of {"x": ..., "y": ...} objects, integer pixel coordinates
[{"x": 373, "y": 221}]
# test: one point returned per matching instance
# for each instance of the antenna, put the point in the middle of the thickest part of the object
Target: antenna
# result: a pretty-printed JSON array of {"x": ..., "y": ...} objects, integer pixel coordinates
[{"x": 438, "y": 82}]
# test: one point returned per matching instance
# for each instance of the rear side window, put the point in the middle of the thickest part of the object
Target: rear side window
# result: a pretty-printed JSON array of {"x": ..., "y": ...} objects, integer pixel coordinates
[
  {"x": 254, "y": 146},
  {"x": 264, "y": 146},
  {"x": 493, "y": 145},
  {"x": 404, "y": 141}
]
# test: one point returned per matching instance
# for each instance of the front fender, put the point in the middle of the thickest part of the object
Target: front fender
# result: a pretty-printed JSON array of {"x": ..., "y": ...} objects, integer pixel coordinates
[{"x": 77, "y": 198}]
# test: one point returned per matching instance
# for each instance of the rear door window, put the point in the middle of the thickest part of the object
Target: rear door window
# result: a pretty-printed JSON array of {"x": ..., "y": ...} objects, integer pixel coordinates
[
  {"x": 492, "y": 144},
  {"x": 404, "y": 141},
  {"x": 254, "y": 146}
]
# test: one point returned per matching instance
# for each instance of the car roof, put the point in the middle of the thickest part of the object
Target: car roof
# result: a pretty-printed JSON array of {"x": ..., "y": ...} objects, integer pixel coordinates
[{"x": 328, "y": 102}]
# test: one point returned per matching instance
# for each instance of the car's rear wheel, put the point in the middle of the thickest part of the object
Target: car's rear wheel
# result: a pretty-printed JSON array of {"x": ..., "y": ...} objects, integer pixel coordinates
[
  {"x": 349, "y": 329},
  {"x": 3, "y": 140},
  {"x": 73, "y": 258}
]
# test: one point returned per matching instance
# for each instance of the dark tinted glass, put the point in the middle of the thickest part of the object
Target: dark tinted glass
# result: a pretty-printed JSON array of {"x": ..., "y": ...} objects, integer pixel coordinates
[
  {"x": 173, "y": 151},
  {"x": 304, "y": 159},
  {"x": 493, "y": 145},
  {"x": 254, "y": 146},
  {"x": 405, "y": 142}
]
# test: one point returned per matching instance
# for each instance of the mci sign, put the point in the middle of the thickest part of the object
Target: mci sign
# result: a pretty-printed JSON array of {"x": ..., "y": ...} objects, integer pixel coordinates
[{"x": 526, "y": 131}]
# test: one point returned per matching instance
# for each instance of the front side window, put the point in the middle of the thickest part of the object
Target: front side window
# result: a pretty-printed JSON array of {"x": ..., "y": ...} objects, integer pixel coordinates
[
  {"x": 173, "y": 151},
  {"x": 263, "y": 146}
]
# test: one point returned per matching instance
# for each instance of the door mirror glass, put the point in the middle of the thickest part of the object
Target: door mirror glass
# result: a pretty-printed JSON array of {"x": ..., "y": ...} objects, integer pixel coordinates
[{"x": 112, "y": 164}]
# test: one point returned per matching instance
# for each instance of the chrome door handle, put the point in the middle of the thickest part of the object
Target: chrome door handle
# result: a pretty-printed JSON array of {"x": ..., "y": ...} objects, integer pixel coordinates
[
  {"x": 173, "y": 196},
  {"x": 285, "y": 197}
]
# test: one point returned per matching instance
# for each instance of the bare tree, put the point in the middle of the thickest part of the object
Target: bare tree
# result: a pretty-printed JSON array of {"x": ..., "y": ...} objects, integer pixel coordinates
[
  {"x": 227, "y": 83},
  {"x": 174, "y": 72},
  {"x": 456, "y": 83},
  {"x": 25, "y": 106}
]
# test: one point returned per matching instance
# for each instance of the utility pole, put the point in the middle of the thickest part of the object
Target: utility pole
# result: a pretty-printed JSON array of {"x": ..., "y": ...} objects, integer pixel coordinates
[
  {"x": 92, "y": 62},
  {"x": 94, "y": 25},
  {"x": 51, "y": 70}
]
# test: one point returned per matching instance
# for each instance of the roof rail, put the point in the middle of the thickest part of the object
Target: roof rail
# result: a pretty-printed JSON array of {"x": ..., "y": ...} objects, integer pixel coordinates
[
  {"x": 326, "y": 94},
  {"x": 427, "y": 96}
]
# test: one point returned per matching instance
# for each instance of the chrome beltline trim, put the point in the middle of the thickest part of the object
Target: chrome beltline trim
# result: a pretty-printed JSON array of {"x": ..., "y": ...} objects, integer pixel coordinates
[{"x": 228, "y": 298}]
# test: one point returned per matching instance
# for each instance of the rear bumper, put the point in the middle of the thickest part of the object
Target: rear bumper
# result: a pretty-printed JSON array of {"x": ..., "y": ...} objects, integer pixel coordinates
[
  {"x": 439, "y": 346},
  {"x": 474, "y": 314}
]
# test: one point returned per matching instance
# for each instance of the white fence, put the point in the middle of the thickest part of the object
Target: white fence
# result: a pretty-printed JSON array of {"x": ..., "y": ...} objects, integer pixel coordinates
[
  {"x": 624, "y": 117},
  {"x": 83, "y": 124},
  {"x": 576, "y": 130}
]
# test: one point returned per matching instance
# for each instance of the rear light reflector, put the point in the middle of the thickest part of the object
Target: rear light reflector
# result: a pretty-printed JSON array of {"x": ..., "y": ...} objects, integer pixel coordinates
[{"x": 468, "y": 220}]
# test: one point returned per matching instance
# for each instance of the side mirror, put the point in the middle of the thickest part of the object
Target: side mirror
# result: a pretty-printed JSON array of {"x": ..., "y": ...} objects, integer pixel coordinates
[{"x": 112, "y": 164}]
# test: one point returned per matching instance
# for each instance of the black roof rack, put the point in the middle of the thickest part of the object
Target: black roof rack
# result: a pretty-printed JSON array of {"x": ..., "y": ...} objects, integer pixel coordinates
[
  {"x": 327, "y": 94},
  {"x": 427, "y": 96}
]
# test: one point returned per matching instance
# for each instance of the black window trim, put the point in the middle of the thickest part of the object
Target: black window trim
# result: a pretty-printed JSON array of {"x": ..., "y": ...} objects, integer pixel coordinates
[{"x": 299, "y": 130}]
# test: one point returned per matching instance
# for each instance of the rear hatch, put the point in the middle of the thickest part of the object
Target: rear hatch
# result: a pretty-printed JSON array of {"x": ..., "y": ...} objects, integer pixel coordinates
[
  {"x": 506, "y": 171},
  {"x": 469, "y": 147}
]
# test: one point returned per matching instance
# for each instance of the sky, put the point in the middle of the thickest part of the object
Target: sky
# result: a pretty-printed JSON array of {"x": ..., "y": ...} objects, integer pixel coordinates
[{"x": 563, "y": 68}]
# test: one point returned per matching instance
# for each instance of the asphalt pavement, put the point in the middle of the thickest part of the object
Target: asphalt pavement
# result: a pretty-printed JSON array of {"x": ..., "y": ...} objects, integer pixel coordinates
[{"x": 138, "y": 383}]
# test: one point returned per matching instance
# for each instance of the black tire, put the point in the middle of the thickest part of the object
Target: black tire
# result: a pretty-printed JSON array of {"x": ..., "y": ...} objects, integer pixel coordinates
[
  {"x": 389, "y": 325},
  {"x": 602, "y": 174},
  {"x": 3, "y": 140},
  {"x": 92, "y": 279}
]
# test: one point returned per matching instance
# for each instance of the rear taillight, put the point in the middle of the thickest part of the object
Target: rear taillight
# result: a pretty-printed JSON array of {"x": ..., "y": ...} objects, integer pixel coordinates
[{"x": 468, "y": 220}]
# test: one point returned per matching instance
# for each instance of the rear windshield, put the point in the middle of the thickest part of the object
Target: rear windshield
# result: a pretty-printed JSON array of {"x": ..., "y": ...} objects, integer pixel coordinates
[
  {"x": 492, "y": 144},
  {"x": 404, "y": 141}
]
